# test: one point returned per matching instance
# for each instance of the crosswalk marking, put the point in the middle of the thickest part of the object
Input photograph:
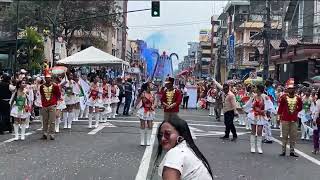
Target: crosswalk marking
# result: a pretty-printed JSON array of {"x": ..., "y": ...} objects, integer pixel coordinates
[{"x": 100, "y": 127}]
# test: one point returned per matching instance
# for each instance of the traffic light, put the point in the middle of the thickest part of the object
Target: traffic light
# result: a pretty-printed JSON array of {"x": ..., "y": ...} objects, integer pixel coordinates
[{"x": 155, "y": 8}]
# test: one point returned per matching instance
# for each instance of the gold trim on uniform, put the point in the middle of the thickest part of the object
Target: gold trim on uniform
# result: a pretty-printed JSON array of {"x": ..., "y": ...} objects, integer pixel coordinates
[
  {"x": 48, "y": 92},
  {"x": 292, "y": 104},
  {"x": 170, "y": 95}
]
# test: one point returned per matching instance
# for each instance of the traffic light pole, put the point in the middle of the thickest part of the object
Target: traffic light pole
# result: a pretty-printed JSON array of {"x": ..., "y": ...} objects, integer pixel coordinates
[
  {"x": 16, "y": 48},
  {"x": 267, "y": 34}
]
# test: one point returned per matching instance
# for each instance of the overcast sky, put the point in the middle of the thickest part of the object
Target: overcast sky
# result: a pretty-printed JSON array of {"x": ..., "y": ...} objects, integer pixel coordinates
[{"x": 180, "y": 23}]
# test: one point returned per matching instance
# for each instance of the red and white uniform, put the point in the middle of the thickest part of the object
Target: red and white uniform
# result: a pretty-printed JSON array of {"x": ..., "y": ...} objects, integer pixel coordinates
[
  {"x": 146, "y": 111},
  {"x": 257, "y": 107},
  {"x": 94, "y": 96},
  {"x": 114, "y": 90}
]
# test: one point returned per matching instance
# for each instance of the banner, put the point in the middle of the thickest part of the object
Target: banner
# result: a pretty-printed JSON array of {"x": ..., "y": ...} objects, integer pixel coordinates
[
  {"x": 231, "y": 49},
  {"x": 86, "y": 90}
]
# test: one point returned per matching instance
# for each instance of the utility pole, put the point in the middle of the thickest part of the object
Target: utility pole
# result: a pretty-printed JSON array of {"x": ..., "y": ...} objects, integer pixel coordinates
[
  {"x": 266, "y": 35},
  {"x": 212, "y": 43},
  {"x": 218, "y": 64},
  {"x": 17, "y": 33}
]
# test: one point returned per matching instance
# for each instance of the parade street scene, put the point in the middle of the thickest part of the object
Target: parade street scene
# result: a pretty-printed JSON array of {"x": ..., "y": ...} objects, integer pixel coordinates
[{"x": 160, "y": 90}]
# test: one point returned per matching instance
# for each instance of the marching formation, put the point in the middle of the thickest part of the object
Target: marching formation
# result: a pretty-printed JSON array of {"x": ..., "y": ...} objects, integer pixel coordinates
[
  {"x": 261, "y": 107},
  {"x": 60, "y": 98},
  {"x": 64, "y": 98}
]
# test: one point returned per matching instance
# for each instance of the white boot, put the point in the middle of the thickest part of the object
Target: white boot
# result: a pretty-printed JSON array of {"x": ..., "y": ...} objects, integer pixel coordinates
[
  {"x": 113, "y": 113},
  {"x": 253, "y": 143},
  {"x": 27, "y": 122},
  {"x": 303, "y": 133},
  {"x": 90, "y": 120},
  {"x": 76, "y": 114},
  {"x": 142, "y": 138},
  {"x": 16, "y": 131},
  {"x": 210, "y": 111},
  {"x": 148, "y": 134},
  {"x": 97, "y": 116},
  {"x": 57, "y": 125},
  {"x": 65, "y": 120},
  {"x": 259, "y": 144},
  {"x": 23, "y": 131},
  {"x": 70, "y": 119},
  {"x": 307, "y": 134},
  {"x": 280, "y": 130}
]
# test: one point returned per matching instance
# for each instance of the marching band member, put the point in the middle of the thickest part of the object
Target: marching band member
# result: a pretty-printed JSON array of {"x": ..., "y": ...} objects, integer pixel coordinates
[
  {"x": 289, "y": 107},
  {"x": 37, "y": 102},
  {"x": 171, "y": 99},
  {"x": 61, "y": 104},
  {"x": 259, "y": 108},
  {"x": 50, "y": 94},
  {"x": 20, "y": 110},
  {"x": 305, "y": 115},
  {"x": 105, "y": 98},
  {"x": 93, "y": 101},
  {"x": 114, "y": 98},
  {"x": 78, "y": 95},
  {"x": 211, "y": 95},
  {"x": 70, "y": 93},
  {"x": 146, "y": 113}
]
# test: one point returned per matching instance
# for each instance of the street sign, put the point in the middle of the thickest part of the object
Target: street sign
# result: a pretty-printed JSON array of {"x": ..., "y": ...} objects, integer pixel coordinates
[{"x": 231, "y": 49}]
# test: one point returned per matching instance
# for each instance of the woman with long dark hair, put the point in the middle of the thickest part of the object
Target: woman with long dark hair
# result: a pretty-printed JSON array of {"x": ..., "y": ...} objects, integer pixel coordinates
[
  {"x": 20, "y": 110},
  {"x": 183, "y": 159}
]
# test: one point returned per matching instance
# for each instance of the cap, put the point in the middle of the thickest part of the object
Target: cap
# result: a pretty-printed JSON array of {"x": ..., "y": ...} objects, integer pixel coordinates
[
  {"x": 23, "y": 71},
  {"x": 169, "y": 80},
  {"x": 290, "y": 83}
]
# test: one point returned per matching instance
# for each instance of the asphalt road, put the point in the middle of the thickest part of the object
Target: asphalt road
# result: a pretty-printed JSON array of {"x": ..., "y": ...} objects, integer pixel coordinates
[{"x": 113, "y": 153}]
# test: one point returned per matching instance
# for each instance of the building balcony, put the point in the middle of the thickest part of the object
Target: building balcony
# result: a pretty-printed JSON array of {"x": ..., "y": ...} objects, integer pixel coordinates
[{"x": 206, "y": 51}]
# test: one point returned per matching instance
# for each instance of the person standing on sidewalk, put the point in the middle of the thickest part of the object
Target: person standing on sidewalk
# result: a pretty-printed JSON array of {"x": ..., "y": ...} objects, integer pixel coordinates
[
  {"x": 289, "y": 107},
  {"x": 170, "y": 99},
  {"x": 184, "y": 90},
  {"x": 316, "y": 125},
  {"x": 128, "y": 89},
  {"x": 5, "y": 95},
  {"x": 121, "y": 94},
  {"x": 50, "y": 94}
]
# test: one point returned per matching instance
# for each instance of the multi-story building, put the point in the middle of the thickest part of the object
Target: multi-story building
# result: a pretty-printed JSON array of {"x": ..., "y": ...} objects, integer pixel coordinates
[
  {"x": 299, "y": 53},
  {"x": 204, "y": 55},
  {"x": 244, "y": 21}
]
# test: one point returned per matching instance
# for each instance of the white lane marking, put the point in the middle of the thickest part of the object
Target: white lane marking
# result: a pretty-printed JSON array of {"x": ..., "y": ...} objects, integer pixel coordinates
[
  {"x": 147, "y": 156},
  {"x": 217, "y": 133},
  {"x": 13, "y": 139},
  {"x": 194, "y": 130},
  {"x": 100, "y": 127},
  {"x": 312, "y": 159}
]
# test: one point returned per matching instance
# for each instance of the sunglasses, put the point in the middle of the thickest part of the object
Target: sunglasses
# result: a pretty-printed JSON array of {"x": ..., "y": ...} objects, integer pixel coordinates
[{"x": 166, "y": 135}]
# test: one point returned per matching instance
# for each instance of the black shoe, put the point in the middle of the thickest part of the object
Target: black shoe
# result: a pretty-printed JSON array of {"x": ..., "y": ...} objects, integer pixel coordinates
[
  {"x": 224, "y": 137},
  {"x": 234, "y": 139},
  {"x": 51, "y": 137},
  {"x": 44, "y": 137},
  {"x": 267, "y": 142},
  {"x": 293, "y": 155},
  {"x": 282, "y": 154}
]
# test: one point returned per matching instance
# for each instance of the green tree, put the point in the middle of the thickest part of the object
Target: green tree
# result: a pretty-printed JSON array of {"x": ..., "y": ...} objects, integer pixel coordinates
[
  {"x": 34, "y": 47},
  {"x": 35, "y": 14}
]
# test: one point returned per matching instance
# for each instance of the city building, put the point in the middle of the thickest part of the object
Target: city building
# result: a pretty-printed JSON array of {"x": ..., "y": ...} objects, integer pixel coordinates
[
  {"x": 298, "y": 55},
  {"x": 241, "y": 31},
  {"x": 204, "y": 64}
]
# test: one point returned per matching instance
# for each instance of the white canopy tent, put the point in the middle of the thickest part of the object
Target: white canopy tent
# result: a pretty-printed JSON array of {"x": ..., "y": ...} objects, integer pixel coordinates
[{"x": 92, "y": 56}]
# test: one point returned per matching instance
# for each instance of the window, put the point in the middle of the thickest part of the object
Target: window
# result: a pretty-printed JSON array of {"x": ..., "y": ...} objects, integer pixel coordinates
[
  {"x": 252, "y": 57},
  {"x": 205, "y": 63},
  {"x": 252, "y": 33}
]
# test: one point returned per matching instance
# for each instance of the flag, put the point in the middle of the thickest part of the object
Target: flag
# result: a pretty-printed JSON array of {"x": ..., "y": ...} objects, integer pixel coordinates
[{"x": 85, "y": 88}]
